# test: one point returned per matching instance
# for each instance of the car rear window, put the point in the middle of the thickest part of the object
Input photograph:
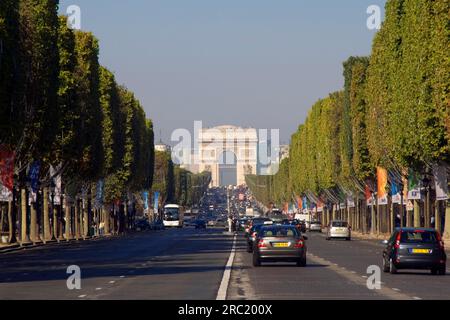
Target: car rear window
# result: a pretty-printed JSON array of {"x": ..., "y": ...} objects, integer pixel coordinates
[
  {"x": 418, "y": 237},
  {"x": 279, "y": 232},
  {"x": 339, "y": 224}
]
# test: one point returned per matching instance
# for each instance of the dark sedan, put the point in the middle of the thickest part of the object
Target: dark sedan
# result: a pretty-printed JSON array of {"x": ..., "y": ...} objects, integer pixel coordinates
[
  {"x": 415, "y": 248},
  {"x": 280, "y": 243}
]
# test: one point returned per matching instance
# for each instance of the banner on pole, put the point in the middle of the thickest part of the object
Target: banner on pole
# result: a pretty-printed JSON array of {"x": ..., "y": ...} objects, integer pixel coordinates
[
  {"x": 369, "y": 196},
  {"x": 5, "y": 194},
  {"x": 7, "y": 158},
  {"x": 382, "y": 179},
  {"x": 441, "y": 183},
  {"x": 413, "y": 187},
  {"x": 57, "y": 184},
  {"x": 33, "y": 175}
]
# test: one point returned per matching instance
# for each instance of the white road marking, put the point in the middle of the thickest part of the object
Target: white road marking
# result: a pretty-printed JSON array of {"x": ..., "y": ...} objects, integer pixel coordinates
[
  {"x": 395, "y": 289},
  {"x": 122, "y": 277},
  {"x": 112, "y": 282},
  {"x": 98, "y": 289},
  {"x": 222, "y": 293},
  {"x": 82, "y": 296},
  {"x": 417, "y": 298}
]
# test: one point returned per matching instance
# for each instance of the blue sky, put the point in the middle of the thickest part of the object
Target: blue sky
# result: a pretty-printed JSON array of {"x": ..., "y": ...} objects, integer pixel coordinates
[{"x": 258, "y": 63}]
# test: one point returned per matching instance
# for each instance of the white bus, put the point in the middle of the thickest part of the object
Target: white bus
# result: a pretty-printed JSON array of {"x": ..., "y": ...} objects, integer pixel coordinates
[{"x": 173, "y": 216}]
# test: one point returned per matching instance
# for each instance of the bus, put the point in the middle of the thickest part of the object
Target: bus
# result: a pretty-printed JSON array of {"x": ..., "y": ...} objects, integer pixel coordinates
[{"x": 173, "y": 216}]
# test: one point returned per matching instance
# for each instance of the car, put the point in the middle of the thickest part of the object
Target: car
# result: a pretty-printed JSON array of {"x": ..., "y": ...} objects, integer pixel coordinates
[
  {"x": 142, "y": 225},
  {"x": 279, "y": 243},
  {"x": 296, "y": 223},
  {"x": 415, "y": 248},
  {"x": 338, "y": 229},
  {"x": 158, "y": 225},
  {"x": 255, "y": 221},
  {"x": 315, "y": 226},
  {"x": 200, "y": 224},
  {"x": 251, "y": 239}
]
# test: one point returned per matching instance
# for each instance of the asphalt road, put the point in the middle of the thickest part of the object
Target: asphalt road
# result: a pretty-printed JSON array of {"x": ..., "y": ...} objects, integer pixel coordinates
[
  {"x": 168, "y": 265},
  {"x": 335, "y": 270},
  {"x": 189, "y": 264}
]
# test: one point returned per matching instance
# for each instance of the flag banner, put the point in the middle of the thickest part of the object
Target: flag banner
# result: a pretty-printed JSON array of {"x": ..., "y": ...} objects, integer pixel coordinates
[
  {"x": 369, "y": 196},
  {"x": 33, "y": 175},
  {"x": 395, "y": 193},
  {"x": 350, "y": 202},
  {"x": 414, "y": 186},
  {"x": 156, "y": 201},
  {"x": 99, "y": 194},
  {"x": 7, "y": 167},
  {"x": 57, "y": 184},
  {"x": 145, "y": 198},
  {"x": 382, "y": 179},
  {"x": 5, "y": 194},
  {"x": 441, "y": 183}
]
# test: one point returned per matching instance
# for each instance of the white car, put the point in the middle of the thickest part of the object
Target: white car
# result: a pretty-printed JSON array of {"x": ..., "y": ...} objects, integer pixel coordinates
[
  {"x": 339, "y": 229},
  {"x": 315, "y": 226}
]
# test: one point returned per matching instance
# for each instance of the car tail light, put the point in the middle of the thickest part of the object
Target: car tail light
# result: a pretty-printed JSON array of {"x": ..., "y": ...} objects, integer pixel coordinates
[
  {"x": 439, "y": 239},
  {"x": 397, "y": 240},
  {"x": 299, "y": 244},
  {"x": 262, "y": 244}
]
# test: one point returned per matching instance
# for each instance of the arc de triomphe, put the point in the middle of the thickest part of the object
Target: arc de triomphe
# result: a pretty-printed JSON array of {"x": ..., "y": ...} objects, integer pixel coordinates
[{"x": 217, "y": 141}]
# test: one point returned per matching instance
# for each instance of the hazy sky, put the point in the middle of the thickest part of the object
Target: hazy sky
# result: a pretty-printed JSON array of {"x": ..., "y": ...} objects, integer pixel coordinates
[{"x": 258, "y": 63}]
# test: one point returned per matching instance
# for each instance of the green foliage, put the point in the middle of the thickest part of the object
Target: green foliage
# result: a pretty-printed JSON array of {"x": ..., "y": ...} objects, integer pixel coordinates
[
  {"x": 10, "y": 129},
  {"x": 393, "y": 112}
]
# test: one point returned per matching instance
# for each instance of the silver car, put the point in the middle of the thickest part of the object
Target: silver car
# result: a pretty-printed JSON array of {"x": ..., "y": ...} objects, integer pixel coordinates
[
  {"x": 338, "y": 229},
  {"x": 279, "y": 243},
  {"x": 315, "y": 226}
]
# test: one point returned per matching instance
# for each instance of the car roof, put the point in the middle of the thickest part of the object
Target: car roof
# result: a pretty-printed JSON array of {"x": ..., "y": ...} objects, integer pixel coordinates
[{"x": 413, "y": 229}]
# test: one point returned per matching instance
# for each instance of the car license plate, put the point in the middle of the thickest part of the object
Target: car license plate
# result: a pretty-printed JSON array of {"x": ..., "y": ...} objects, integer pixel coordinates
[
  {"x": 423, "y": 251},
  {"x": 281, "y": 245}
]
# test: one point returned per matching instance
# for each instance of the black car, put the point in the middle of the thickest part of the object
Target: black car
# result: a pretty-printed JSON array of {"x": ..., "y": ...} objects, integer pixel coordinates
[
  {"x": 415, "y": 248},
  {"x": 200, "y": 224}
]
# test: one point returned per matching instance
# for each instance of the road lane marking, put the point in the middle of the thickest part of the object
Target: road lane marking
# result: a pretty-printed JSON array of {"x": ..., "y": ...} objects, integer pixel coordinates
[
  {"x": 417, "y": 298},
  {"x": 384, "y": 291},
  {"x": 395, "y": 289},
  {"x": 112, "y": 282},
  {"x": 82, "y": 296},
  {"x": 222, "y": 293},
  {"x": 98, "y": 289}
]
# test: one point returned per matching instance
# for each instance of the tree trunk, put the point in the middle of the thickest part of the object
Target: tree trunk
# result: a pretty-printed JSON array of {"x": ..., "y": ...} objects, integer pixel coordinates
[
  {"x": 23, "y": 221},
  {"x": 33, "y": 223},
  {"x": 416, "y": 214},
  {"x": 77, "y": 219},
  {"x": 12, "y": 214},
  {"x": 46, "y": 218},
  {"x": 68, "y": 227},
  {"x": 438, "y": 216},
  {"x": 447, "y": 221}
]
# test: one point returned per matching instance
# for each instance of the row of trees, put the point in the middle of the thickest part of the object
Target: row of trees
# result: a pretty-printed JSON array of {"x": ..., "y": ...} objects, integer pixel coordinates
[
  {"x": 393, "y": 113},
  {"x": 69, "y": 127},
  {"x": 178, "y": 185}
]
